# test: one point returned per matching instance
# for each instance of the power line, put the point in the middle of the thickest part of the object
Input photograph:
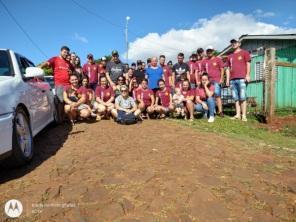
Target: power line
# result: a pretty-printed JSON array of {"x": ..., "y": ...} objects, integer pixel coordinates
[
  {"x": 116, "y": 25},
  {"x": 22, "y": 29}
]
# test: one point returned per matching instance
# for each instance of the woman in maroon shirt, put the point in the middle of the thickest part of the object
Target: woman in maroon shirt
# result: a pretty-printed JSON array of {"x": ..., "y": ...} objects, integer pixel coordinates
[
  {"x": 189, "y": 96},
  {"x": 146, "y": 99},
  {"x": 163, "y": 100},
  {"x": 104, "y": 98},
  {"x": 75, "y": 98}
]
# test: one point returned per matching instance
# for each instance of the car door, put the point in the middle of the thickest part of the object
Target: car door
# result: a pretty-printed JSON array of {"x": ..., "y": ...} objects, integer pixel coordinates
[
  {"x": 32, "y": 94},
  {"x": 45, "y": 111}
]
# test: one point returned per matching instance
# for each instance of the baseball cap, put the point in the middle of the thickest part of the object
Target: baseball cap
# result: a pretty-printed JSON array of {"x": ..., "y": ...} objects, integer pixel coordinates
[
  {"x": 139, "y": 62},
  {"x": 133, "y": 64},
  {"x": 89, "y": 56},
  {"x": 103, "y": 58},
  {"x": 114, "y": 52},
  {"x": 233, "y": 41},
  {"x": 210, "y": 48}
]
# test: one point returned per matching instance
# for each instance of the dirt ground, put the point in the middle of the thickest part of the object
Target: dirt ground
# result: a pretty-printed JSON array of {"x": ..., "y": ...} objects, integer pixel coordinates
[{"x": 154, "y": 171}]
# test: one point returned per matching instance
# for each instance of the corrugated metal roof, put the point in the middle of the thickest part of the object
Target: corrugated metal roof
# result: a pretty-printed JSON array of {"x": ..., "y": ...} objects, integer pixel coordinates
[{"x": 267, "y": 37}]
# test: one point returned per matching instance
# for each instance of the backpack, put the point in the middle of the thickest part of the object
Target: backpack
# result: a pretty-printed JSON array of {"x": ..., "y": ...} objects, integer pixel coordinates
[{"x": 126, "y": 119}]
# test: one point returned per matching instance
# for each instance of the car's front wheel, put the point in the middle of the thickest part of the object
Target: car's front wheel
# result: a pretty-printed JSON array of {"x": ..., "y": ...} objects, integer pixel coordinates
[{"x": 22, "y": 140}]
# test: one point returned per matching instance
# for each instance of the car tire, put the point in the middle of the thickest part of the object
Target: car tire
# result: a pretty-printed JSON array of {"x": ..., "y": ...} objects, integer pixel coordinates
[{"x": 22, "y": 141}]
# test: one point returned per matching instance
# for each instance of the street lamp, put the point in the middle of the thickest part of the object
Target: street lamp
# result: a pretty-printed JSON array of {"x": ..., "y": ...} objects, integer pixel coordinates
[{"x": 126, "y": 37}]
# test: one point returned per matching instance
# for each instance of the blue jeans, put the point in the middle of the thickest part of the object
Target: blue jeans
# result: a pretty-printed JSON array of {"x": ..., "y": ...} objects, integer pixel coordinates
[
  {"x": 239, "y": 89},
  {"x": 211, "y": 107},
  {"x": 217, "y": 89}
]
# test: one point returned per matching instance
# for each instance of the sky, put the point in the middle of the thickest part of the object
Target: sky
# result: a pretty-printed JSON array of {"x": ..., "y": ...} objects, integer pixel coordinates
[{"x": 155, "y": 27}]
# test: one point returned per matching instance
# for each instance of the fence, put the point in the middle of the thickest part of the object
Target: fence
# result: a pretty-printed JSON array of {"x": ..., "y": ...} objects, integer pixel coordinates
[{"x": 273, "y": 83}]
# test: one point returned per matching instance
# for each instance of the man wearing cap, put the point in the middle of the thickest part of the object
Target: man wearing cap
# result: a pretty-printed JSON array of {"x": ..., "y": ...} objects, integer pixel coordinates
[
  {"x": 102, "y": 66},
  {"x": 238, "y": 75},
  {"x": 114, "y": 68},
  {"x": 193, "y": 78},
  {"x": 139, "y": 73},
  {"x": 91, "y": 70},
  {"x": 180, "y": 68},
  {"x": 215, "y": 68}
]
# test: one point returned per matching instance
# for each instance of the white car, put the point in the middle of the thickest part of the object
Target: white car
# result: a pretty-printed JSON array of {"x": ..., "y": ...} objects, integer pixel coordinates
[{"x": 26, "y": 107}]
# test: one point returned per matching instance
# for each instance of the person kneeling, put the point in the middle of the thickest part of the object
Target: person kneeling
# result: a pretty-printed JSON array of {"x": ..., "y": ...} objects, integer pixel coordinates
[
  {"x": 205, "y": 101},
  {"x": 126, "y": 111}
]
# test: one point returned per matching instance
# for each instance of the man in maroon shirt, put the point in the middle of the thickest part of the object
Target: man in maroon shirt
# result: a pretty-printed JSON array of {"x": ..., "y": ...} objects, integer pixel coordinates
[
  {"x": 91, "y": 70},
  {"x": 193, "y": 72},
  {"x": 167, "y": 73},
  {"x": 238, "y": 75},
  {"x": 61, "y": 71},
  {"x": 215, "y": 68}
]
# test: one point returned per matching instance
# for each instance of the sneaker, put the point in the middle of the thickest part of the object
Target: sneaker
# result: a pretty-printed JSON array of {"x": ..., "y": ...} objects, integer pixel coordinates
[
  {"x": 98, "y": 117},
  {"x": 235, "y": 117},
  {"x": 244, "y": 118},
  {"x": 191, "y": 119},
  {"x": 211, "y": 119}
]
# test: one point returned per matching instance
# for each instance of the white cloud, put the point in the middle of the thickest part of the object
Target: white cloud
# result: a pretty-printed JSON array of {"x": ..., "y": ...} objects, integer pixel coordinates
[
  {"x": 261, "y": 14},
  {"x": 80, "y": 38},
  {"x": 216, "y": 31}
]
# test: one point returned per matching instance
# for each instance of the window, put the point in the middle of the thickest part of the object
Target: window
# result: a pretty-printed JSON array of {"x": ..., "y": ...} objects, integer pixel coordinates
[
  {"x": 259, "y": 71},
  {"x": 5, "y": 66},
  {"x": 23, "y": 63}
]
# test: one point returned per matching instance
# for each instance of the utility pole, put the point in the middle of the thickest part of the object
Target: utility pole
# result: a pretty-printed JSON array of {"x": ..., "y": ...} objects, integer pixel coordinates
[{"x": 127, "y": 18}]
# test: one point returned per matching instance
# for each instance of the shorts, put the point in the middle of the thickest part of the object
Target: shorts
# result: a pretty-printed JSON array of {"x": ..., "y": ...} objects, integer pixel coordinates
[
  {"x": 217, "y": 91},
  {"x": 59, "y": 91},
  {"x": 179, "y": 105},
  {"x": 239, "y": 89},
  {"x": 82, "y": 106}
]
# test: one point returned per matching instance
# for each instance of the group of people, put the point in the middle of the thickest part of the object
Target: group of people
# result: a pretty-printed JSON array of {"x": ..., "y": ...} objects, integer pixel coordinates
[{"x": 152, "y": 90}]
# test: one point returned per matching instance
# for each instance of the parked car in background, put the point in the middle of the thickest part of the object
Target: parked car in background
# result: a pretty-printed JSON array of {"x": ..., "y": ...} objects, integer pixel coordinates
[
  {"x": 50, "y": 80},
  {"x": 26, "y": 107}
]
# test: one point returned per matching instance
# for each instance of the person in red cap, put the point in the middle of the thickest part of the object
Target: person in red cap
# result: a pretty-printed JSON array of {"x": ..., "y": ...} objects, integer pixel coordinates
[
  {"x": 238, "y": 75},
  {"x": 91, "y": 70}
]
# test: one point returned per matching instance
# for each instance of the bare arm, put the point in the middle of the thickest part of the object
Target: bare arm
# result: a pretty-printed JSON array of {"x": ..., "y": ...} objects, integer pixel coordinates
[
  {"x": 44, "y": 65},
  {"x": 248, "y": 72},
  {"x": 227, "y": 76},
  {"x": 221, "y": 75},
  {"x": 109, "y": 79}
]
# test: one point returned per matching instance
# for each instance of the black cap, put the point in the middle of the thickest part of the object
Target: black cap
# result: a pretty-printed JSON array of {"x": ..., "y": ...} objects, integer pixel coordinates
[
  {"x": 233, "y": 41},
  {"x": 114, "y": 52},
  {"x": 170, "y": 62},
  {"x": 199, "y": 50},
  {"x": 133, "y": 64},
  {"x": 139, "y": 62},
  {"x": 90, "y": 56}
]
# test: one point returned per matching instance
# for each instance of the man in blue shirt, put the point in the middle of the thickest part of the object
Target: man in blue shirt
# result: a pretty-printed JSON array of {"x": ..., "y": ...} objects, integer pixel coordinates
[{"x": 153, "y": 74}]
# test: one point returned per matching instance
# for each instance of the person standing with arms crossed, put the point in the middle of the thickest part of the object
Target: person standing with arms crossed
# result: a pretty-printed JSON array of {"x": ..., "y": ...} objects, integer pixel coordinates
[
  {"x": 237, "y": 77},
  {"x": 114, "y": 69}
]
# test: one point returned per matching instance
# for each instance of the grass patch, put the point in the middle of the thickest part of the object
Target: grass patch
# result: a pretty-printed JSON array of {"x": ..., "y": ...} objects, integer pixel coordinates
[{"x": 246, "y": 131}]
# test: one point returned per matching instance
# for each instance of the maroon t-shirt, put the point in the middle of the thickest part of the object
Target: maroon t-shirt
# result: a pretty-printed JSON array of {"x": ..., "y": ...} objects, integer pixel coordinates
[
  {"x": 145, "y": 95},
  {"x": 104, "y": 93},
  {"x": 188, "y": 93},
  {"x": 237, "y": 63},
  {"x": 164, "y": 96},
  {"x": 78, "y": 91},
  {"x": 213, "y": 67},
  {"x": 192, "y": 68},
  {"x": 167, "y": 72},
  {"x": 198, "y": 65},
  {"x": 101, "y": 70},
  {"x": 91, "y": 70},
  {"x": 179, "y": 84},
  {"x": 135, "y": 92},
  {"x": 88, "y": 92},
  {"x": 61, "y": 68},
  {"x": 201, "y": 92}
]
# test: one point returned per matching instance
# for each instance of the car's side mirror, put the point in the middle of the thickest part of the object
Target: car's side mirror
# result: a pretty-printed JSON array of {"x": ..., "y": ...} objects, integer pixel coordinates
[{"x": 33, "y": 72}]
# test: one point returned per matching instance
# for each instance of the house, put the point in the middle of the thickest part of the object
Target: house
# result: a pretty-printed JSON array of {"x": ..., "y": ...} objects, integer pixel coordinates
[{"x": 285, "y": 85}]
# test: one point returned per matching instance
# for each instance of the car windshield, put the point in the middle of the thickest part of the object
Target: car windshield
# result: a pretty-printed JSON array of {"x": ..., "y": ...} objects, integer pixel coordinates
[{"x": 5, "y": 68}]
